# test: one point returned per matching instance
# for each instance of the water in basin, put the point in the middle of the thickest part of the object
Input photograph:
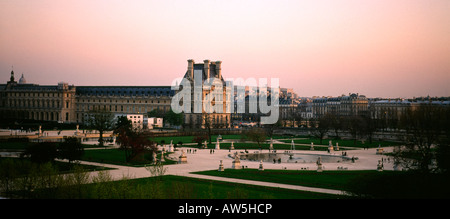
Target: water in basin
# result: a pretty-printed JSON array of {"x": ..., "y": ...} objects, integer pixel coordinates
[{"x": 293, "y": 158}]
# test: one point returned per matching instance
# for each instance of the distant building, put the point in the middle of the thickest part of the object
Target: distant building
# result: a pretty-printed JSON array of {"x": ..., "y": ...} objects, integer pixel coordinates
[
  {"x": 154, "y": 122},
  {"x": 22, "y": 101},
  {"x": 351, "y": 105},
  {"x": 137, "y": 120},
  {"x": 22, "y": 80},
  {"x": 306, "y": 109},
  {"x": 393, "y": 109},
  {"x": 288, "y": 108}
]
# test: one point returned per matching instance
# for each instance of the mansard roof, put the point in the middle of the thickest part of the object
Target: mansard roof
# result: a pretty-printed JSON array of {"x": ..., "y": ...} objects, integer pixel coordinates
[
  {"x": 126, "y": 90},
  {"x": 212, "y": 71},
  {"x": 33, "y": 87}
]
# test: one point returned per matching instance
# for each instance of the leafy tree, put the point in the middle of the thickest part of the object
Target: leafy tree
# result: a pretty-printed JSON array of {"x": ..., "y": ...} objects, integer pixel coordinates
[
  {"x": 71, "y": 149},
  {"x": 200, "y": 138},
  {"x": 123, "y": 123},
  {"x": 173, "y": 118},
  {"x": 41, "y": 152},
  {"x": 156, "y": 113},
  {"x": 134, "y": 142}
]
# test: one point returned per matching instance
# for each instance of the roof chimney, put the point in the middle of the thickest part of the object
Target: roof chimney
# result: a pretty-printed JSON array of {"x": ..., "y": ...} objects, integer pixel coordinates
[
  {"x": 218, "y": 69},
  {"x": 206, "y": 67},
  {"x": 191, "y": 68}
]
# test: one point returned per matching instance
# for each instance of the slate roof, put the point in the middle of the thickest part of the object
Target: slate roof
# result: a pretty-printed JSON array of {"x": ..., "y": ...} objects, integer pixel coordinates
[{"x": 125, "y": 90}]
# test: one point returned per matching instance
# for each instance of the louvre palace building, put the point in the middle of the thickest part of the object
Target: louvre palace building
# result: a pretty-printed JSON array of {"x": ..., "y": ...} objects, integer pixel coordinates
[{"x": 65, "y": 103}]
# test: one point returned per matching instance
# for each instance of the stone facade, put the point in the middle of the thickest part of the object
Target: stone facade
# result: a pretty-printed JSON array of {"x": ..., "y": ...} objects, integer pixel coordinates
[
  {"x": 207, "y": 70},
  {"x": 66, "y": 103}
]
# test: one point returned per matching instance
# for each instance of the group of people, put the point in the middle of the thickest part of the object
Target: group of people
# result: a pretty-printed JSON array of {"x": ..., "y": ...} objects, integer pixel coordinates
[
  {"x": 275, "y": 161},
  {"x": 191, "y": 151}
]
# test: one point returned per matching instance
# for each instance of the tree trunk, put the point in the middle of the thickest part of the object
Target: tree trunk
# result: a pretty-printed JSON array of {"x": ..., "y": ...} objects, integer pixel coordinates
[{"x": 100, "y": 138}]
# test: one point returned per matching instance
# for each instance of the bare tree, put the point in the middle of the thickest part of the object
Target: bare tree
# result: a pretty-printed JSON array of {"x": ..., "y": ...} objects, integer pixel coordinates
[
  {"x": 321, "y": 126},
  {"x": 257, "y": 135},
  {"x": 336, "y": 124},
  {"x": 208, "y": 124},
  {"x": 423, "y": 129},
  {"x": 356, "y": 126},
  {"x": 101, "y": 120}
]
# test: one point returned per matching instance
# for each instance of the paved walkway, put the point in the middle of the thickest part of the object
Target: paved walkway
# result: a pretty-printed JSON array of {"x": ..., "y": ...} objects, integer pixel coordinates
[{"x": 203, "y": 160}]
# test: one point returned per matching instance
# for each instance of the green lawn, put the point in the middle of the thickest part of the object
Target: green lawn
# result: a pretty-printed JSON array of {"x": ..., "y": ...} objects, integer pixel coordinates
[
  {"x": 14, "y": 145},
  {"x": 117, "y": 156},
  {"x": 23, "y": 165},
  {"x": 24, "y": 145},
  {"x": 327, "y": 179},
  {"x": 179, "y": 187},
  {"x": 365, "y": 183},
  {"x": 193, "y": 188}
]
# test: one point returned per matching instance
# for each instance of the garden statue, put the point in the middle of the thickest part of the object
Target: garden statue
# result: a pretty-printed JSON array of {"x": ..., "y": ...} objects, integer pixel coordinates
[
  {"x": 271, "y": 145},
  {"x": 221, "y": 168},
  {"x": 217, "y": 145},
  {"x": 236, "y": 164},
  {"x": 261, "y": 168},
  {"x": 330, "y": 147},
  {"x": 182, "y": 157},
  {"x": 319, "y": 164},
  {"x": 380, "y": 166}
]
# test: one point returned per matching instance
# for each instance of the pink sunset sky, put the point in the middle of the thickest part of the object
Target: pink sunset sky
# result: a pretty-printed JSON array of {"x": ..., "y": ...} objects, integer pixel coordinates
[{"x": 379, "y": 48}]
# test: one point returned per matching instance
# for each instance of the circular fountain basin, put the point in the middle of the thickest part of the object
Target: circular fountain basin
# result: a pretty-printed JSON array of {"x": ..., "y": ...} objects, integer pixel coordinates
[{"x": 294, "y": 158}]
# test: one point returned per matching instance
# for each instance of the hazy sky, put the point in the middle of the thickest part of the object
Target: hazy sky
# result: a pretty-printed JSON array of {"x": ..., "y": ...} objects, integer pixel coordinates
[{"x": 377, "y": 48}]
